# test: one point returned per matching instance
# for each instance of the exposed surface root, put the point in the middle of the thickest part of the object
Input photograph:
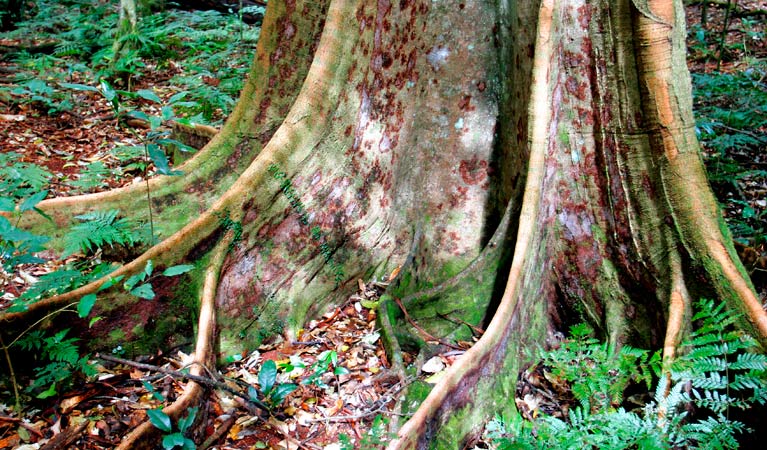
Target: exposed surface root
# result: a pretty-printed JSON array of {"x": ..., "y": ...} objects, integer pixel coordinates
[{"x": 145, "y": 435}]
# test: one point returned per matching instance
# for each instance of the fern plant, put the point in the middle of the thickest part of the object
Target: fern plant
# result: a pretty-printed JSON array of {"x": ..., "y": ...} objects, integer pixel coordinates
[
  {"x": 720, "y": 363},
  {"x": 597, "y": 374},
  {"x": 60, "y": 361},
  {"x": 100, "y": 228},
  {"x": 718, "y": 370}
]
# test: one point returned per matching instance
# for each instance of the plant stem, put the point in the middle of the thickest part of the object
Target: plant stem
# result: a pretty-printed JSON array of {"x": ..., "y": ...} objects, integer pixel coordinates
[
  {"x": 723, "y": 37},
  {"x": 13, "y": 376},
  {"x": 148, "y": 193}
]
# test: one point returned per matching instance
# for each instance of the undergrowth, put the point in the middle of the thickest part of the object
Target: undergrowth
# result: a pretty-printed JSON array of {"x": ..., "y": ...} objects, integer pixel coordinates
[
  {"x": 718, "y": 370},
  {"x": 210, "y": 53},
  {"x": 731, "y": 110}
]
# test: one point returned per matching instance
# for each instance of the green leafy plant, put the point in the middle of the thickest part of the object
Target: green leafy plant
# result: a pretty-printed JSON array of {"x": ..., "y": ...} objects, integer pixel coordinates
[
  {"x": 272, "y": 393},
  {"x": 140, "y": 283},
  {"x": 377, "y": 436},
  {"x": 717, "y": 370},
  {"x": 325, "y": 361},
  {"x": 93, "y": 177},
  {"x": 597, "y": 374},
  {"x": 171, "y": 439},
  {"x": 100, "y": 228},
  {"x": 60, "y": 361},
  {"x": 38, "y": 93}
]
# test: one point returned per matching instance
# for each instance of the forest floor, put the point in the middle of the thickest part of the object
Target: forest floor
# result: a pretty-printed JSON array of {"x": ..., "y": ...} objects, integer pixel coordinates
[{"x": 343, "y": 391}]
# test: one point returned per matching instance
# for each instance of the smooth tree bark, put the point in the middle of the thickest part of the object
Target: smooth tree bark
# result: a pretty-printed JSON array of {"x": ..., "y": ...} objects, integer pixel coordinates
[
  {"x": 519, "y": 166},
  {"x": 127, "y": 25}
]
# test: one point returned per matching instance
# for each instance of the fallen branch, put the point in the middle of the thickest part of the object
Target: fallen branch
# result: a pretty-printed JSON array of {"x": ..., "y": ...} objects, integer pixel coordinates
[
  {"x": 65, "y": 438},
  {"x": 220, "y": 431},
  {"x": 209, "y": 382}
]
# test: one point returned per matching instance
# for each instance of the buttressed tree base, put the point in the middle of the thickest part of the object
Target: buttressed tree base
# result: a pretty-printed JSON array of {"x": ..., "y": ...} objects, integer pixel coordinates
[{"x": 522, "y": 166}]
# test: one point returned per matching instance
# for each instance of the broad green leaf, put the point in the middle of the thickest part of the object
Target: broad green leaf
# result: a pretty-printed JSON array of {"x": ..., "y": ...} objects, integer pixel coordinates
[
  {"x": 167, "y": 113},
  {"x": 50, "y": 392},
  {"x": 138, "y": 115},
  {"x": 146, "y": 94},
  {"x": 177, "y": 97},
  {"x": 32, "y": 201},
  {"x": 149, "y": 268},
  {"x": 340, "y": 370},
  {"x": 42, "y": 213},
  {"x": 85, "y": 305},
  {"x": 267, "y": 376},
  {"x": 159, "y": 419},
  {"x": 160, "y": 160},
  {"x": 252, "y": 393},
  {"x": 177, "y": 270},
  {"x": 185, "y": 422},
  {"x": 107, "y": 90},
  {"x": 155, "y": 122},
  {"x": 143, "y": 291},
  {"x": 181, "y": 146},
  {"x": 134, "y": 280},
  {"x": 113, "y": 281},
  {"x": 170, "y": 441},
  {"x": 7, "y": 204},
  {"x": 94, "y": 320},
  {"x": 282, "y": 391}
]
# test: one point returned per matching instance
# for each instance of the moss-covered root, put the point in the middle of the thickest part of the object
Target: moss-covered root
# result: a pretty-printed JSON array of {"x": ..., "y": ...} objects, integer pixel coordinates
[
  {"x": 664, "y": 77},
  {"x": 483, "y": 380},
  {"x": 146, "y": 435}
]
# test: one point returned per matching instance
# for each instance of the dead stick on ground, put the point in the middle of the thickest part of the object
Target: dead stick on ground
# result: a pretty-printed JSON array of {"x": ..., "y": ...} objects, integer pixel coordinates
[
  {"x": 196, "y": 378},
  {"x": 220, "y": 431}
]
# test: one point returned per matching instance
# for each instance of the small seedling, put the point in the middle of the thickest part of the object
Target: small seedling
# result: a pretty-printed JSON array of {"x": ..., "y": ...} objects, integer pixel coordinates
[
  {"x": 273, "y": 394},
  {"x": 172, "y": 439}
]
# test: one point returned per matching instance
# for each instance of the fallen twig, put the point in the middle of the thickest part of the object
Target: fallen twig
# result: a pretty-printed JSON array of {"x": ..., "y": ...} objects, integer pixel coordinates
[
  {"x": 181, "y": 375},
  {"x": 220, "y": 431}
]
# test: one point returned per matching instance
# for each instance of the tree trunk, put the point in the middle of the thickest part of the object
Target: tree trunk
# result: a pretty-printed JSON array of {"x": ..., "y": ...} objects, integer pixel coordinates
[
  {"x": 527, "y": 165},
  {"x": 127, "y": 24}
]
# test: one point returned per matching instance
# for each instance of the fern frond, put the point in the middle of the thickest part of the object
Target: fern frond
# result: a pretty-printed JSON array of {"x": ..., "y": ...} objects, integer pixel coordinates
[
  {"x": 100, "y": 228},
  {"x": 750, "y": 361}
]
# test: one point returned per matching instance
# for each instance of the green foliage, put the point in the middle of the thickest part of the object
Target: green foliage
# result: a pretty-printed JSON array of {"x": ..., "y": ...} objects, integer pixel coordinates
[
  {"x": 59, "y": 359},
  {"x": 41, "y": 95},
  {"x": 719, "y": 363},
  {"x": 140, "y": 283},
  {"x": 717, "y": 370},
  {"x": 273, "y": 393},
  {"x": 171, "y": 439},
  {"x": 731, "y": 110},
  {"x": 68, "y": 277},
  {"x": 100, "y": 228},
  {"x": 377, "y": 436},
  {"x": 325, "y": 361},
  {"x": 93, "y": 177},
  {"x": 597, "y": 374},
  {"x": 20, "y": 179}
]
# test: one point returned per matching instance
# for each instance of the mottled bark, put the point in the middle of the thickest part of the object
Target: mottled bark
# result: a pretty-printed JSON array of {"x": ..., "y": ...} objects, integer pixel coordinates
[{"x": 524, "y": 165}]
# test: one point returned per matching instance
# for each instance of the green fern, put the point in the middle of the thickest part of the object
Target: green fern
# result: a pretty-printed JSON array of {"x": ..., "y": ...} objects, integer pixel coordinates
[
  {"x": 720, "y": 363},
  {"x": 100, "y": 228},
  {"x": 718, "y": 369}
]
